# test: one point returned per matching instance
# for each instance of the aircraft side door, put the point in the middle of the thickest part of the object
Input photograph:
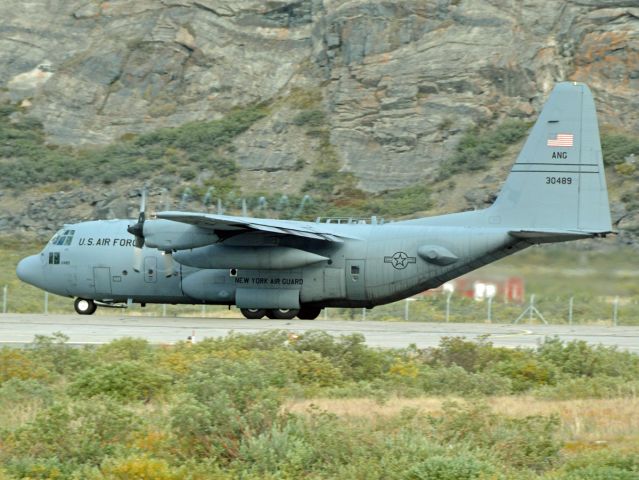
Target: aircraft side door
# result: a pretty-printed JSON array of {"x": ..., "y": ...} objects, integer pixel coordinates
[
  {"x": 356, "y": 279},
  {"x": 102, "y": 280}
]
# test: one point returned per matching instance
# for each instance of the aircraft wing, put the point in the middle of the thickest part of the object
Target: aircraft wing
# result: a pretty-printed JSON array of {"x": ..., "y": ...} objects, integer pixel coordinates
[{"x": 222, "y": 224}]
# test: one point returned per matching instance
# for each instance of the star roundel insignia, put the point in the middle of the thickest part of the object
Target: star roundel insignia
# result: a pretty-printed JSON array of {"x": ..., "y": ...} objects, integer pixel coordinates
[{"x": 400, "y": 260}]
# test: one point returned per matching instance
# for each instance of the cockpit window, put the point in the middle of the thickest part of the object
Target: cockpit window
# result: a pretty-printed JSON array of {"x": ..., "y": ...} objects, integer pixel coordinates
[{"x": 63, "y": 237}]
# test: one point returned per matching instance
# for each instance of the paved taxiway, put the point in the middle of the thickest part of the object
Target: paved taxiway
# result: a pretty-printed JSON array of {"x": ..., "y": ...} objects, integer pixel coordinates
[{"x": 18, "y": 329}]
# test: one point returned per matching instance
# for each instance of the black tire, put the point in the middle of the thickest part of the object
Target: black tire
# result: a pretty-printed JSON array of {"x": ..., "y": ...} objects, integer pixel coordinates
[
  {"x": 84, "y": 306},
  {"x": 282, "y": 313},
  {"x": 308, "y": 313},
  {"x": 253, "y": 313}
]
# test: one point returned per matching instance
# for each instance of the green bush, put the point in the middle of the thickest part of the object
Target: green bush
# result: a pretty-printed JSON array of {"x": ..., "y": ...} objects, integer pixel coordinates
[
  {"x": 310, "y": 118},
  {"x": 15, "y": 364},
  {"x": 77, "y": 432},
  {"x": 463, "y": 467},
  {"x": 123, "y": 381},
  {"x": 529, "y": 442},
  {"x": 455, "y": 380},
  {"x": 226, "y": 402},
  {"x": 53, "y": 353},
  {"x": 607, "y": 464},
  {"x": 579, "y": 359},
  {"x": 16, "y": 391},
  {"x": 127, "y": 348},
  {"x": 479, "y": 146},
  {"x": 616, "y": 147},
  {"x": 349, "y": 353},
  {"x": 588, "y": 387}
]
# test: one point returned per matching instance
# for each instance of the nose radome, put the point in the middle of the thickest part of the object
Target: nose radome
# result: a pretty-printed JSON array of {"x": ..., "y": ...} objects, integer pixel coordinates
[{"x": 29, "y": 270}]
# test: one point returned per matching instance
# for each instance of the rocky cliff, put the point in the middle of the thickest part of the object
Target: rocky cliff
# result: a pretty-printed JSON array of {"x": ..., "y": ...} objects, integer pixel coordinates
[{"x": 392, "y": 85}]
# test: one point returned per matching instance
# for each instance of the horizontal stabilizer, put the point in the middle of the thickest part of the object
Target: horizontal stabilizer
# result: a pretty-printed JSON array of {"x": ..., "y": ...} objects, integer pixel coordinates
[{"x": 549, "y": 236}]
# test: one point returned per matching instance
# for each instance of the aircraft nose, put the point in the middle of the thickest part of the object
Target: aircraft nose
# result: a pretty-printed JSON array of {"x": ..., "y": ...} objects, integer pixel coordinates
[{"x": 29, "y": 270}]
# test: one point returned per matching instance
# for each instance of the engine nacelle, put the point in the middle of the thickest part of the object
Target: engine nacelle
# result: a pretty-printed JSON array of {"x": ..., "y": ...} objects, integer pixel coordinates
[{"x": 168, "y": 235}]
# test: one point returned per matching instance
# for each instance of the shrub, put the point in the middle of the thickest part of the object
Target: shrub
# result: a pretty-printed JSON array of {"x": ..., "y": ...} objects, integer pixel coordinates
[
  {"x": 578, "y": 358},
  {"x": 52, "y": 352},
  {"x": 457, "y": 381},
  {"x": 462, "y": 467},
  {"x": 349, "y": 353},
  {"x": 602, "y": 465},
  {"x": 16, "y": 391},
  {"x": 125, "y": 349},
  {"x": 14, "y": 364},
  {"x": 616, "y": 147},
  {"x": 472, "y": 356},
  {"x": 588, "y": 387},
  {"x": 310, "y": 118},
  {"x": 78, "y": 432},
  {"x": 529, "y": 442},
  {"x": 123, "y": 381},
  {"x": 526, "y": 372},
  {"x": 477, "y": 147},
  {"x": 226, "y": 401},
  {"x": 138, "y": 468}
]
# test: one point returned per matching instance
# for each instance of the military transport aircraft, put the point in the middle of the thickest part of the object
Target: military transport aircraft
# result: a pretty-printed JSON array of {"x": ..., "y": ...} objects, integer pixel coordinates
[{"x": 556, "y": 191}]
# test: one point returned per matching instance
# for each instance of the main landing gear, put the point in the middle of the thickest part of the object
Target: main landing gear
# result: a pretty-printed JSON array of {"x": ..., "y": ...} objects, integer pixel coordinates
[
  {"x": 304, "y": 313},
  {"x": 84, "y": 306}
]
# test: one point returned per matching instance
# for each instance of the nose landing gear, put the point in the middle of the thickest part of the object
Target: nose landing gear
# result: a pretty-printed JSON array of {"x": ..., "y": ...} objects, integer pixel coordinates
[{"x": 84, "y": 306}]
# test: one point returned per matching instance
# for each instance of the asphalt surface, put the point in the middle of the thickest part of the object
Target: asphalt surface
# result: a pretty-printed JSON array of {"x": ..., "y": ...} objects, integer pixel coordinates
[{"x": 20, "y": 329}]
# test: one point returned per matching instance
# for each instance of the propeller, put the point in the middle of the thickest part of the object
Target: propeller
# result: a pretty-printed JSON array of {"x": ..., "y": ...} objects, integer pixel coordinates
[
  {"x": 137, "y": 230},
  {"x": 168, "y": 263}
]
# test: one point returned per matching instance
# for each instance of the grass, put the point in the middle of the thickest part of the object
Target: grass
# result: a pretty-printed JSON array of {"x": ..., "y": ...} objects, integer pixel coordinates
[{"x": 609, "y": 420}]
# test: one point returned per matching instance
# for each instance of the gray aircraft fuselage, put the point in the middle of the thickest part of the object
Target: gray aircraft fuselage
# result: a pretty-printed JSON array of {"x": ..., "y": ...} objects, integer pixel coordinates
[{"x": 382, "y": 265}]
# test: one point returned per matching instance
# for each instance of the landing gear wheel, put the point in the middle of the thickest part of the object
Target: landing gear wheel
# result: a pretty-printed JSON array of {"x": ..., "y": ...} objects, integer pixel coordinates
[
  {"x": 253, "y": 313},
  {"x": 84, "y": 306},
  {"x": 308, "y": 313},
  {"x": 282, "y": 313}
]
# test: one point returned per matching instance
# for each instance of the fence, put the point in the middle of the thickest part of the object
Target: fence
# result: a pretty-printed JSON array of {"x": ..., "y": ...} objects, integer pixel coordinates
[{"x": 611, "y": 310}]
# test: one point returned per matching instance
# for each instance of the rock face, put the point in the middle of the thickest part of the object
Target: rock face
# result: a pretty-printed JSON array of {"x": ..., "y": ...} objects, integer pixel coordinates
[{"x": 398, "y": 82}]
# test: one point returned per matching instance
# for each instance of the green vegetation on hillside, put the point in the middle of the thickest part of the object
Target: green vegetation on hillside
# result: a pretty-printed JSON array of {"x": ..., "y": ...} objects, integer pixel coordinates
[
  {"x": 479, "y": 146},
  {"x": 185, "y": 150},
  {"x": 218, "y": 410},
  {"x": 616, "y": 147}
]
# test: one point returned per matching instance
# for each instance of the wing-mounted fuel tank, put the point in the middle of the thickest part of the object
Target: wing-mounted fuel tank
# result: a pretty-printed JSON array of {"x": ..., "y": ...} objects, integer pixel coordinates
[
  {"x": 167, "y": 235},
  {"x": 249, "y": 258}
]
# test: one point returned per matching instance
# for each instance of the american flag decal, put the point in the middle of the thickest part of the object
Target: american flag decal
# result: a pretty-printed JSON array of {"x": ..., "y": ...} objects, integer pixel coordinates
[{"x": 561, "y": 140}]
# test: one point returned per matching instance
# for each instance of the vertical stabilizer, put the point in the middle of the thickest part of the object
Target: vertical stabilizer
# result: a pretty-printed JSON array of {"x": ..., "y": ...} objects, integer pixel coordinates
[{"x": 558, "y": 182}]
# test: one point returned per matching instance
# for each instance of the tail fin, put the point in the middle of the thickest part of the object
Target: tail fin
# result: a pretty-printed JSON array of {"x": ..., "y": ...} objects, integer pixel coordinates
[{"x": 558, "y": 182}]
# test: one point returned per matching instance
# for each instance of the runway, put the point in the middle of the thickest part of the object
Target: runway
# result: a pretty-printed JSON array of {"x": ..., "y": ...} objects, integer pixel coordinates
[{"x": 20, "y": 329}]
